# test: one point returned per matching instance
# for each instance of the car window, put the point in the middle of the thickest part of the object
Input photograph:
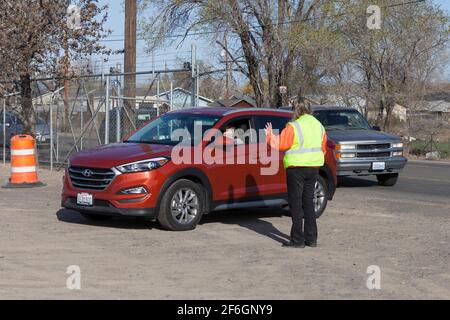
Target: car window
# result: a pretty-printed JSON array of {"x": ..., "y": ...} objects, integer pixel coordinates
[
  {"x": 239, "y": 131},
  {"x": 161, "y": 130},
  {"x": 8, "y": 119},
  {"x": 278, "y": 124},
  {"x": 342, "y": 120},
  {"x": 18, "y": 121}
]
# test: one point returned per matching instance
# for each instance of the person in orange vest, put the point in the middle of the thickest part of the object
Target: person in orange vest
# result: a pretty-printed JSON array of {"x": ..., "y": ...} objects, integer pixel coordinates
[{"x": 304, "y": 142}]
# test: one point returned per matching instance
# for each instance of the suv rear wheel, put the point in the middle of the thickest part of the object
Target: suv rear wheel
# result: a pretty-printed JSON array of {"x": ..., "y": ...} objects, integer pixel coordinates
[
  {"x": 182, "y": 206},
  {"x": 320, "y": 196},
  {"x": 387, "y": 180}
]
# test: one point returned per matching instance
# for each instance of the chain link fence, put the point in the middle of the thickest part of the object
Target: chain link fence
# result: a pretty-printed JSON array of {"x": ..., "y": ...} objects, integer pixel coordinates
[{"x": 89, "y": 111}]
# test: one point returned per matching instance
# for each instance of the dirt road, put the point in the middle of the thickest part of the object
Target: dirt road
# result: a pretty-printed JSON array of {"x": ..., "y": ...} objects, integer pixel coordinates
[{"x": 234, "y": 255}]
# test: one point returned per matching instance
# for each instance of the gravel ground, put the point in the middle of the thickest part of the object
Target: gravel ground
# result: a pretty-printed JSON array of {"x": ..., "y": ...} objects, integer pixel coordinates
[{"x": 234, "y": 255}]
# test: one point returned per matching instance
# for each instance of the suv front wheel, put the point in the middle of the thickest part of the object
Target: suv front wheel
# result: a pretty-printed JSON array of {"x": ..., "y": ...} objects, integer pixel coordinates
[{"x": 182, "y": 206}]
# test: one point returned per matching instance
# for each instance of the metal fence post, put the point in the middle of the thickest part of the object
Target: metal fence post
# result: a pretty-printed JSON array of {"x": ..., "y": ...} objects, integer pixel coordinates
[
  {"x": 171, "y": 96},
  {"x": 157, "y": 97},
  {"x": 107, "y": 110},
  {"x": 81, "y": 125},
  {"x": 51, "y": 136},
  {"x": 119, "y": 113},
  {"x": 4, "y": 131},
  {"x": 57, "y": 133},
  {"x": 197, "y": 87}
]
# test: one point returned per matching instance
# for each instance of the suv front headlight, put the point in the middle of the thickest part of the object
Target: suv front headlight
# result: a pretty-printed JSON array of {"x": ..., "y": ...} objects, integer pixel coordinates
[
  {"x": 145, "y": 165},
  {"x": 397, "y": 145},
  {"x": 346, "y": 147}
]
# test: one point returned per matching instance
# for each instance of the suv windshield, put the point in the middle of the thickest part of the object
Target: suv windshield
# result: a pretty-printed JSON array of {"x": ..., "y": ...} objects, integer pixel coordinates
[
  {"x": 160, "y": 131},
  {"x": 342, "y": 120}
]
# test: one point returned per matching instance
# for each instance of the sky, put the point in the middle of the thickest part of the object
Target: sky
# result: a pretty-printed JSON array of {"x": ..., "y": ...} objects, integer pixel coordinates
[{"x": 172, "y": 56}]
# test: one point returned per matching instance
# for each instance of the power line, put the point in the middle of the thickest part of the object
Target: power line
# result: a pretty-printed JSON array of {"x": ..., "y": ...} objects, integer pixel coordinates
[{"x": 255, "y": 26}]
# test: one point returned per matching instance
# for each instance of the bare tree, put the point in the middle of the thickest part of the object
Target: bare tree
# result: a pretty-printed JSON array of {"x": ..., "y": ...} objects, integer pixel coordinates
[
  {"x": 41, "y": 38},
  {"x": 268, "y": 36},
  {"x": 393, "y": 64}
]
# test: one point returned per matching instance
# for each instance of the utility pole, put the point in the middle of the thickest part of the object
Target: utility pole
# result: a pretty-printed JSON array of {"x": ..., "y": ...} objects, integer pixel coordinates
[
  {"x": 130, "y": 61},
  {"x": 227, "y": 67},
  {"x": 194, "y": 74}
]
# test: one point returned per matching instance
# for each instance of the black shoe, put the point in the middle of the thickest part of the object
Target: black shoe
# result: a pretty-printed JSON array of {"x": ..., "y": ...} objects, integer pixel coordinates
[
  {"x": 291, "y": 244},
  {"x": 312, "y": 244}
]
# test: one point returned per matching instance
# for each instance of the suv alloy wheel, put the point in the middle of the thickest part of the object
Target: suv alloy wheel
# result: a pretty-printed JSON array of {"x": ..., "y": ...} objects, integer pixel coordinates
[
  {"x": 320, "y": 196},
  {"x": 182, "y": 206}
]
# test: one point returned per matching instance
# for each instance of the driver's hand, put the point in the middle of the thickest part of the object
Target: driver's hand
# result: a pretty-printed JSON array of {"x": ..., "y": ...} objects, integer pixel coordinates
[{"x": 268, "y": 129}]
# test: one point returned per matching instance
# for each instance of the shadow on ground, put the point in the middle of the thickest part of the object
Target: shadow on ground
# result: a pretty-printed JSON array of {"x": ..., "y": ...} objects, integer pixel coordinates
[
  {"x": 360, "y": 182},
  {"x": 251, "y": 220},
  {"x": 70, "y": 216}
]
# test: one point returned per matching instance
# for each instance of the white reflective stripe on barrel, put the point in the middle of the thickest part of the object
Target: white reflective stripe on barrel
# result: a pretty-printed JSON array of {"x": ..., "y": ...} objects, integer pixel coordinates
[
  {"x": 23, "y": 152},
  {"x": 23, "y": 169}
]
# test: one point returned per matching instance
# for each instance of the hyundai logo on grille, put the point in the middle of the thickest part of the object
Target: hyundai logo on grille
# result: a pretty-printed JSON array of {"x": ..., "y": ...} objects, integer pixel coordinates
[{"x": 88, "y": 173}]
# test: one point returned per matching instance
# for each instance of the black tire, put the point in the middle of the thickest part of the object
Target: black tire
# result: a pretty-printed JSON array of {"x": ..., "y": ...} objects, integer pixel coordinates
[
  {"x": 387, "y": 180},
  {"x": 95, "y": 217},
  {"x": 165, "y": 216},
  {"x": 323, "y": 186}
]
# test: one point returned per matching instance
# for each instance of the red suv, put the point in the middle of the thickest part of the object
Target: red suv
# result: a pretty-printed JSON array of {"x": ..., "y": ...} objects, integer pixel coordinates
[{"x": 144, "y": 177}]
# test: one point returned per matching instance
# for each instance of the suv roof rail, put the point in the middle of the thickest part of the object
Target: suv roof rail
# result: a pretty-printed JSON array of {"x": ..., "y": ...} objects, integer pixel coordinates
[{"x": 255, "y": 109}]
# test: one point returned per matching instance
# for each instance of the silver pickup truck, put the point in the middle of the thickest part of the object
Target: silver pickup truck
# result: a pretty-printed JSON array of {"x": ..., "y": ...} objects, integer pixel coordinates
[{"x": 361, "y": 149}]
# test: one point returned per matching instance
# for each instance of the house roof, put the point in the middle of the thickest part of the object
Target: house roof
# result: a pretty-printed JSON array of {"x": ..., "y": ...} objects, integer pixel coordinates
[
  {"x": 436, "y": 106},
  {"x": 166, "y": 93},
  {"x": 234, "y": 100}
]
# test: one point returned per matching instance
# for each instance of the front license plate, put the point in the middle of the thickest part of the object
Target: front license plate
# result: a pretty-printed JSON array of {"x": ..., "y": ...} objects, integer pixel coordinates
[
  {"x": 85, "y": 199},
  {"x": 379, "y": 166}
]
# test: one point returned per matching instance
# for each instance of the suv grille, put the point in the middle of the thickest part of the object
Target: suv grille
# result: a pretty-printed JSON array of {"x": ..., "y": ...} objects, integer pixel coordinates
[
  {"x": 95, "y": 179},
  {"x": 375, "y": 150},
  {"x": 374, "y": 154},
  {"x": 373, "y": 146}
]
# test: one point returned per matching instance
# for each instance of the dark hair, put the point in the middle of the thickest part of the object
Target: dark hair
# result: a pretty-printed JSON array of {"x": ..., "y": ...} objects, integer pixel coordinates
[{"x": 301, "y": 107}]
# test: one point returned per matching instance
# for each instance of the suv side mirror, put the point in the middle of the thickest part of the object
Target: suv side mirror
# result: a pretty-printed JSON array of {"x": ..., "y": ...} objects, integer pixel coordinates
[{"x": 376, "y": 128}]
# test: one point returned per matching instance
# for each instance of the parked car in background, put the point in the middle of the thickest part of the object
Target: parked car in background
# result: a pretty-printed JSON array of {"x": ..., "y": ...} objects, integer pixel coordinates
[
  {"x": 43, "y": 131},
  {"x": 13, "y": 126},
  {"x": 361, "y": 150},
  {"x": 139, "y": 178}
]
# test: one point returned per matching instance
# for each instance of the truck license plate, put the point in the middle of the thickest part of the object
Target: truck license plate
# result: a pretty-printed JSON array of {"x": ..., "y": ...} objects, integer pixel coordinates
[
  {"x": 379, "y": 166},
  {"x": 85, "y": 199}
]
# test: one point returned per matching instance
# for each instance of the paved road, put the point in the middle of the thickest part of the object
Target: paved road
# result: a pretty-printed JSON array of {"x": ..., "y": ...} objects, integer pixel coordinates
[
  {"x": 421, "y": 181},
  {"x": 235, "y": 255}
]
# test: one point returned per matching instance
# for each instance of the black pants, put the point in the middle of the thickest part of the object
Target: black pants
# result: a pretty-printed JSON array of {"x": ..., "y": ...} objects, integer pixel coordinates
[{"x": 301, "y": 184}]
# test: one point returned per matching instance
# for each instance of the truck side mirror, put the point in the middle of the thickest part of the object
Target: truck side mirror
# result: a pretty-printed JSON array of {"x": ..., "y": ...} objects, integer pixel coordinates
[{"x": 376, "y": 128}]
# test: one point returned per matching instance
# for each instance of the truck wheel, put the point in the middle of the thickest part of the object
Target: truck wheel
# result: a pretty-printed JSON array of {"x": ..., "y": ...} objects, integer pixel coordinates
[
  {"x": 387, "y": 180},
  {"x": 95, "y": 217},
  {"x": 320, "y": 196},
  {"x": 182, "y": 206}
]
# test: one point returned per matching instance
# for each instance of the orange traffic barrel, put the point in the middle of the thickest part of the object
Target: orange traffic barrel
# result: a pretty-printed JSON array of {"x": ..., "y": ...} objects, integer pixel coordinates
[{"x": 23, "y": 163}]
